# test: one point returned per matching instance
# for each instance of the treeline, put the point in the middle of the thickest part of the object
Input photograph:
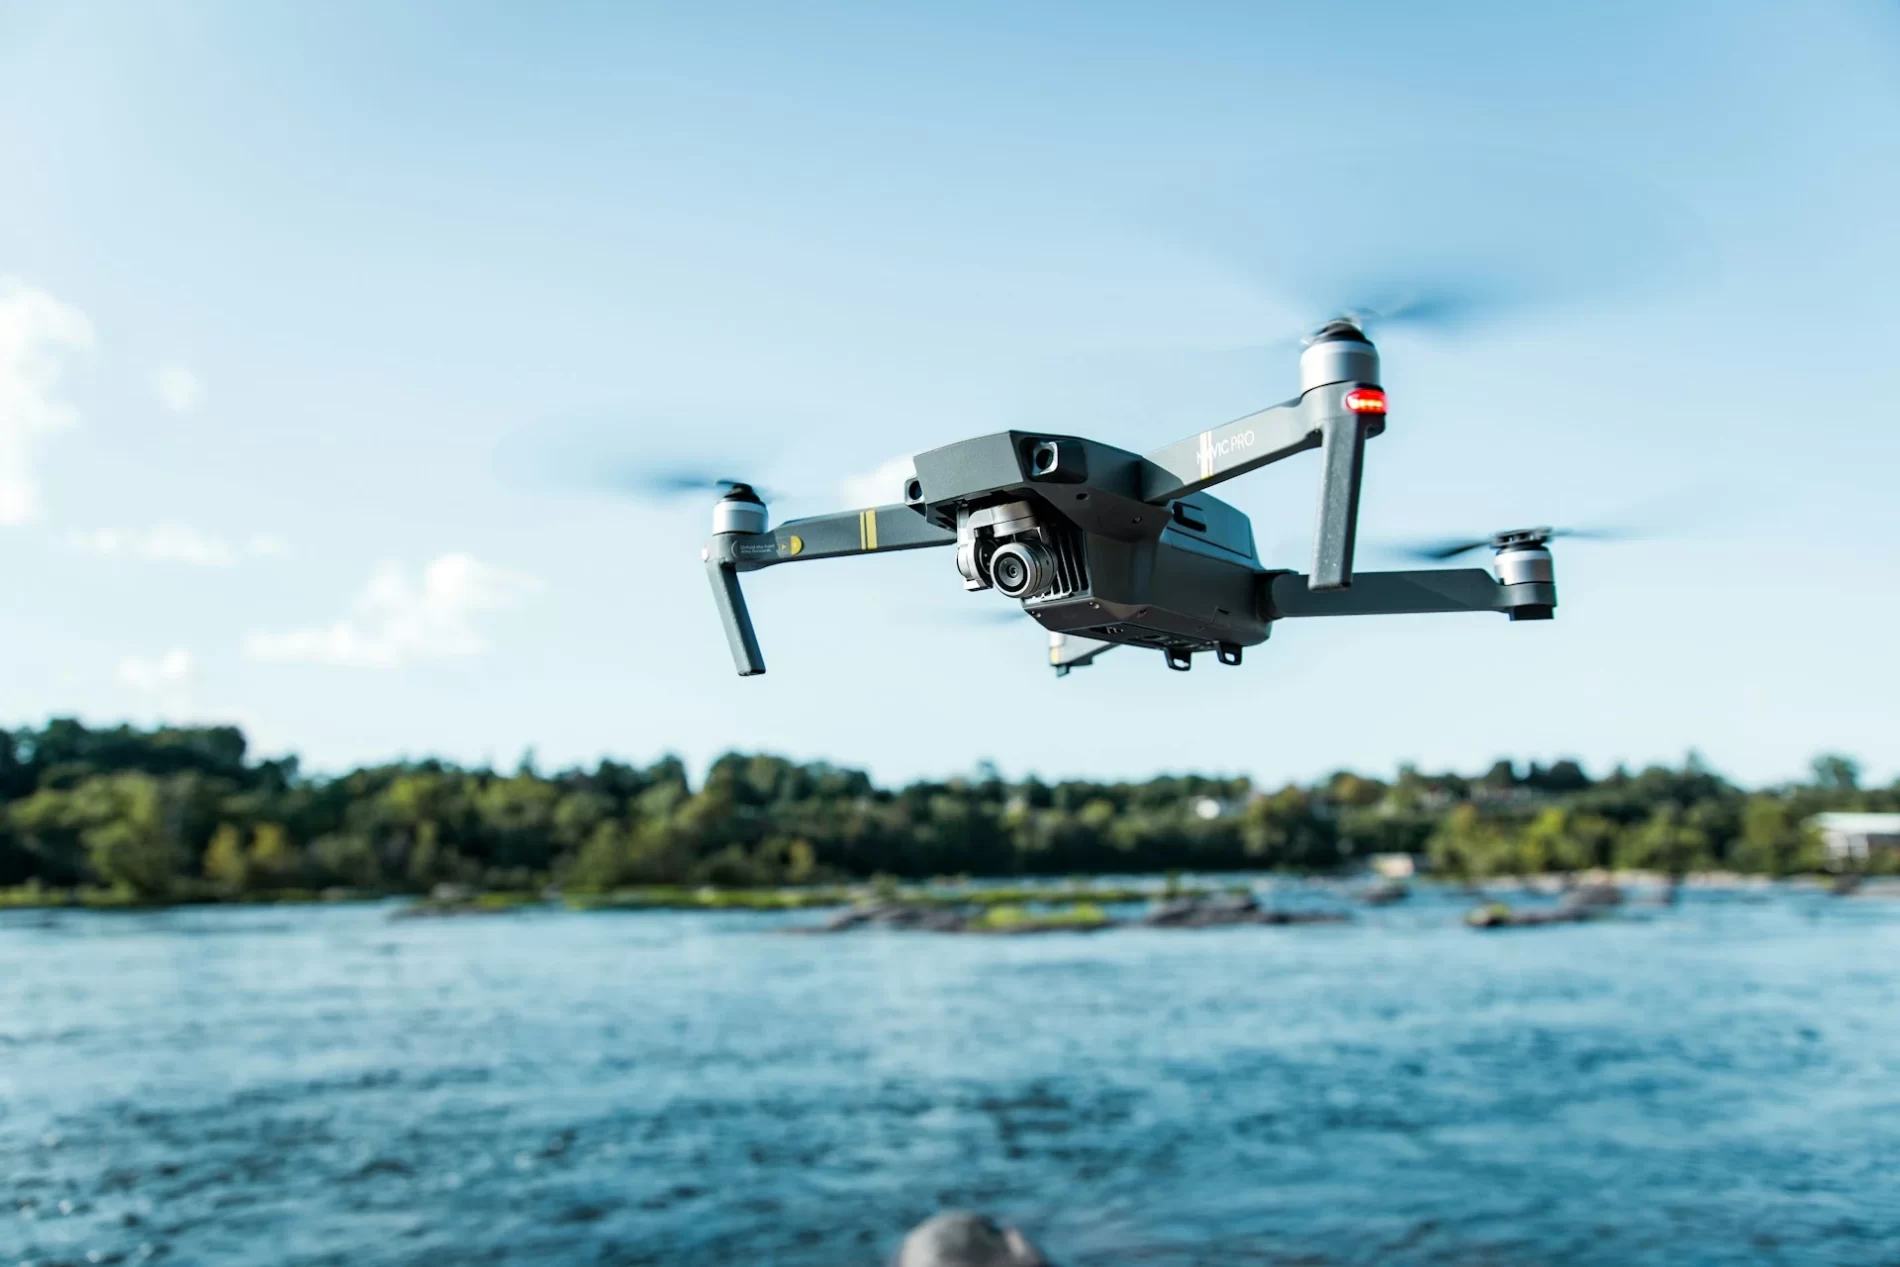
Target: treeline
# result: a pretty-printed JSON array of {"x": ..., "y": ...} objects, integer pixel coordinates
[{"x": 189, "y": 814}]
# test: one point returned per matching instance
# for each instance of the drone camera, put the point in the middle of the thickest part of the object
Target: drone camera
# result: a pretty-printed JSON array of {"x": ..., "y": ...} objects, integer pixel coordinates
[
  {"x": 913, "y": 491},
  {"x": 1021, "y": 569},
  {"x": 1009, "y": 548}
]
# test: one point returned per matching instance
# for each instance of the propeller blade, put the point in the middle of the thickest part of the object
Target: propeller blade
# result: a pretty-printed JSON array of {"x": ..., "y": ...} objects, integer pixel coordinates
[
  {"x": 677, "y": 483},
  {"x": 1438, "y": 238},
  {"x": 1439, "y": 551},
  {"x": 1596, "y": 534},
  {"x": 613, "y": 456}
]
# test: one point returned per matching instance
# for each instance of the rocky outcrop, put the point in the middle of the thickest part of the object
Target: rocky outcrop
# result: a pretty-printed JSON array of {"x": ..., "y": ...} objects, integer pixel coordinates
[
  {"x": 991, "y": 921},
  {"x": 1212, "y": 910},
  {"x": 1498, "y": 915},
  {"x": 1385, "y": 892},
  {"x": 898, "y": 915},
  {"x": 1220, "y": 910},
  {"x": 958, "y": 1238},
  {"x": 1593, "y": 896}
]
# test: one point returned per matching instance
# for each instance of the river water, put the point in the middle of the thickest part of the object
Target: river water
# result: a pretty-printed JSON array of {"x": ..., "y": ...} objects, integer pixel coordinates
[{"x": 1714, "y": 1083}]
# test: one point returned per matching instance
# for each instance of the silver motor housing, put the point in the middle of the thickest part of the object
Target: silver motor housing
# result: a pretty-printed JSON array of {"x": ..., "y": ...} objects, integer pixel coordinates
[
  {"x": 739, "y": 511},
  {"x": 1525, "y": 564}
]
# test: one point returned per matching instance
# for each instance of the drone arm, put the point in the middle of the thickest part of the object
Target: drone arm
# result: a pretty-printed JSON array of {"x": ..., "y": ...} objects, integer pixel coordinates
[
  {"x": 1319, "y": 419},
  {"x": 879, "y": 528},
  {"x": 1234, "y": 448},
  {"x": 848, "y": 532},
  {"x": 1400, "y": 593}
]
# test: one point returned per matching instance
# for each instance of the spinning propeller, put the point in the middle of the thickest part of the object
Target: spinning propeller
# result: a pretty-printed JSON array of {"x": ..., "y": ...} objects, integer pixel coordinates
[
  {"x": 664, "y": 483},
  {"x": 1438, "y": 551},
  {"x": 614, "y": 455}
]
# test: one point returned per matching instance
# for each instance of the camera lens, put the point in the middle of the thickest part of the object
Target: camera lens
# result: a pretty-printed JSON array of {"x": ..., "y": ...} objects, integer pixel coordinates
[{"x": 1022, "y": 569}]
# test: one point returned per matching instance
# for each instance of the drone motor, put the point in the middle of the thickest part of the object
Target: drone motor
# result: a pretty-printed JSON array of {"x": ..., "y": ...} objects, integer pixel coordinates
[
  {"x": 1526, "y": 563},
  {"x": 740, "y": 510}
]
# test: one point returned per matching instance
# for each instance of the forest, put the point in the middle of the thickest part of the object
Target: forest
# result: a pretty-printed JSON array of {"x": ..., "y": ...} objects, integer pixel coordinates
[{"x": 189, "y": 814}]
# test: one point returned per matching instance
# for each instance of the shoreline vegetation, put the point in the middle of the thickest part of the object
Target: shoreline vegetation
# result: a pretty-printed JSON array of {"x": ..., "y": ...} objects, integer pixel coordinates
[{"x": 127, "y": 818}]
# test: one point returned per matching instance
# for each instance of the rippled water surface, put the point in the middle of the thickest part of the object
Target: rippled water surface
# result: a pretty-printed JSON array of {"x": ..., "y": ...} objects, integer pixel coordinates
[{"x": 1717, "y": 1083}]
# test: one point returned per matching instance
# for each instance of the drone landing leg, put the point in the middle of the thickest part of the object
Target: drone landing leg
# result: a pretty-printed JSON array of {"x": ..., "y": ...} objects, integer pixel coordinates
[
  {"x": 730, "y": 601},
  {"x": 1344, "y": 454}
]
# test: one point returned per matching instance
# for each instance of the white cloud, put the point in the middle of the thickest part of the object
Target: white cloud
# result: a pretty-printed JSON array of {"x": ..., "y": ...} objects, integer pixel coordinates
[
  {"x": 395, "y": 622},
  {"x": 105, "y": 541},
  {"x": 166, "y": 543},
  {"x": 36, "y": 333},
  {"x": 178, "y": 389},
  {"x": 155, "y": 673},
  {"x": 176, "y": 543},
  {"x": 179, "y": 543},
  {"x": 880, "y": 487}
]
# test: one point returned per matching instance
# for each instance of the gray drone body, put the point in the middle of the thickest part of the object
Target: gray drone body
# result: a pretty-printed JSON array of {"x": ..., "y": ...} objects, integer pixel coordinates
[{"x": 1106, "y": 548}]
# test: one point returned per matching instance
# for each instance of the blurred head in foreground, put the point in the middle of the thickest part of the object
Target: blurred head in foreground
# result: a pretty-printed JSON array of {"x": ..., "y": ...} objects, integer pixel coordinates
[{"x": 959, "y": 1239}]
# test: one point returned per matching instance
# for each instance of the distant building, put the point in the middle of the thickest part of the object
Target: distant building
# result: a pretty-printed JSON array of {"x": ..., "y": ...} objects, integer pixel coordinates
[{"x": 1851, "y": 837}]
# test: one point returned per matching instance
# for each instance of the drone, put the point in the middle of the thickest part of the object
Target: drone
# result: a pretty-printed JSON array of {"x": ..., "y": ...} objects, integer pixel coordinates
[{"x": 1105, "y": 548}]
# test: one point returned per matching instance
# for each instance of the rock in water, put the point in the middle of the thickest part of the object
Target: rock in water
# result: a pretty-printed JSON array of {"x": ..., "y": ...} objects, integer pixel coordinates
[
  {"x": 1385, "y": 892},
  {"x": 957, "y": 1238},
  {"x": 1207, "y": 910},
  {"x": 1218, "y": 910},
  {"x": 1594, "y": 895},
  {"x": 904, "y": 915},
  {"x": 1498, "y": 915}
]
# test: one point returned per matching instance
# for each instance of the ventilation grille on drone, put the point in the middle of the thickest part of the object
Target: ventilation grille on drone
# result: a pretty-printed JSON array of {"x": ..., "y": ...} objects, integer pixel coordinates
[{"x": 1072, "y": 574}]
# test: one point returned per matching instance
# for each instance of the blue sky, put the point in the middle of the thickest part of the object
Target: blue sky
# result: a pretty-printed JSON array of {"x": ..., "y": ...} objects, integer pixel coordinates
[{"x": 290, "y": 290}]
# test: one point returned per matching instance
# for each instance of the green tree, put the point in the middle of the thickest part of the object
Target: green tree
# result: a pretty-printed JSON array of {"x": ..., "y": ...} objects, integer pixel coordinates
[
  {"x": 347, "y": 858},
  {"x": 1836, "y": 773},
  {"x": 1286, "y": 830},
  {"x": 273, "y": 859},
  {"x": 1667, "y": 842},
  {"x": 131, "y": 840},
  {"x": 1772, "y": 841},
  {"x": 225, "y": 863},
  {"x": 1560, "y": 838},
  {"x": 1468, "y": 847}
]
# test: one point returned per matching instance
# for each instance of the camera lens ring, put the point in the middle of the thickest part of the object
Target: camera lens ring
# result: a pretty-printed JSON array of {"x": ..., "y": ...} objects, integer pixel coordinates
[{"x": 1022, "y": 569}]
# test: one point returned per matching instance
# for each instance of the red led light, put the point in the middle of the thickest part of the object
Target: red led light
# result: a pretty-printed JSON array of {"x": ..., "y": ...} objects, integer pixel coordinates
[{"x": 1366, "y": 400}]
